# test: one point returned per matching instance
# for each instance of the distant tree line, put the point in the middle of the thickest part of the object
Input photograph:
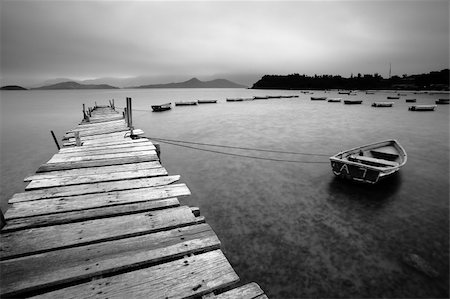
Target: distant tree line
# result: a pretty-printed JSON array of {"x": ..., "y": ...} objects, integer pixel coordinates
[{"x": 431, "y": 81}]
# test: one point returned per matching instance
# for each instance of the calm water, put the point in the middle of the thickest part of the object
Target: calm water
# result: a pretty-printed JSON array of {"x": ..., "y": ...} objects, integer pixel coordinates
[{"x": 292, "y": 227}]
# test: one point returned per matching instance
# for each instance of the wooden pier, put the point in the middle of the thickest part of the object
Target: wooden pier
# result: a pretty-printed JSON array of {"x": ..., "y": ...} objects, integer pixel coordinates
[{"x": 101, "y": 219}]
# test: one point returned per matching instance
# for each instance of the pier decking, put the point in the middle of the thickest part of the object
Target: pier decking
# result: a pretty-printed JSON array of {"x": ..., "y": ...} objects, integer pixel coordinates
[{"x": 102, "y": 219}]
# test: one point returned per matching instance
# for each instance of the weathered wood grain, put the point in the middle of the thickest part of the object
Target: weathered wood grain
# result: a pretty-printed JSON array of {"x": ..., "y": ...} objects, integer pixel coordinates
[
  {"x": 93, "y": 201},
  {"x": 96, "y": 163},
  {"x": 106, "y": 150},
  {"x": 55, "y": 269},
  {"x": 119, "y": 143},
  {"x": 184, "y": 278},
  {"x": 248, "y": 291},
  {"x": 108, "y": 135},
  {"x": 94, "y": 188},
  {"x": 60, "y": 158},
  {"x": 93, "y": 170},
  {"x": 83, "y": 215},
  {"x": 44, "y": 239},
  {"x": 99, "y": 131},
  {"x": 95, "y": 178}
]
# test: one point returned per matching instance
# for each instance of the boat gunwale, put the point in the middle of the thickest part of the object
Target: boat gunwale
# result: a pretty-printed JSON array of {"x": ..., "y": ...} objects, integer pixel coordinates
[{"x": 389, "y": 169}]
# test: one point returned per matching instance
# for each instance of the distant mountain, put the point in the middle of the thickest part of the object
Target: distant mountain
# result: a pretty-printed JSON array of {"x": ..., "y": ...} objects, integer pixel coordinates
[
  {"x": 196, "y": 83},
  {"x": 13, "y": 87},
  {"x": 75, "y": 85}
]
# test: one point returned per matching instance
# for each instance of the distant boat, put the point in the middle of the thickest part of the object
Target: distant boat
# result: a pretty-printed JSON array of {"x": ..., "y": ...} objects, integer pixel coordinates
[
  {"x": 369, "y": 163},
  {"x": 207, "y": 101},
  {"x": 382, "y": 104},
  {"x": 393, "y": 98},
  {"x": 260, "y": 97},
  {"x": 185, "y": 103},
  {"x": 422, "y": 107},
  {"x": 352, "y": 102},
  {"x": 274, "y": 97},
  {"x": 443, "y": 101},
  {"x": 162, "y": 107},
  {"x": 410, "y": 100},
  {"x": 334, "y": 100},
  {"x": 235, "y": 100},
  {"x": 318, "y": 98}
]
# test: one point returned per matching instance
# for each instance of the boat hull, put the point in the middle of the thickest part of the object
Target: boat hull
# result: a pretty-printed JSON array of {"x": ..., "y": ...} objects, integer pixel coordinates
[{"x": 355, "y": 172}]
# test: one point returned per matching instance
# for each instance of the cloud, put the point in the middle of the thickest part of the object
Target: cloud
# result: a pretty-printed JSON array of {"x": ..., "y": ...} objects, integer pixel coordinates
[{"x": 101, "y": 38}]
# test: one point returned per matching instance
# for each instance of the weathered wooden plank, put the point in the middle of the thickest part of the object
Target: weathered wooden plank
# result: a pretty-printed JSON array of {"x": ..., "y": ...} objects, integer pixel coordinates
[
  {"x": 105, "y": 125},
  {"x": 59, "y": 158},
  {"x": 100, "y": 120},
  {"x": 248, "y": 291},
  {"x": 96, "y": 163},
  {"x": 118, "y": 144},
  {"x": 103, "y": 140},
  {"x": 83, "y": 215},
  {"x": 87, "y": 214},
  {"x": 95, "y": 178},
  {"x": 37, "y": 273},
  {"x": 84, "y": 133},
  {"x": 94, "y": 188},
  {"x": 93, "y": 170},
  {"x": 92, "y": 201},
  {"x": 109, "y": 135},
  {"x": 44, "y": 239},
  {"x": 184, "y": 278},
  {"x": 94, "y": 134},
  {"x": 107, "y": 150},
  {"x": 98, "y": 125}
]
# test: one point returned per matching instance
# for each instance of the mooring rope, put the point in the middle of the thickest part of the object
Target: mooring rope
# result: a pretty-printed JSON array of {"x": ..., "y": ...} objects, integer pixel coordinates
[
  {"x": 237, "y": 155},
  {"x": 239, "y": 147}
]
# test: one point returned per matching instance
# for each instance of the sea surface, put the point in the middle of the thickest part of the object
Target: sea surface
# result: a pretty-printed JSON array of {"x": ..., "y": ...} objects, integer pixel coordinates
[{"x": 290, "y": 226}]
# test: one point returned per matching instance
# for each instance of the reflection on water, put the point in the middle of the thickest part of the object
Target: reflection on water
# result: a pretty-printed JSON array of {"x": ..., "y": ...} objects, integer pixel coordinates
[{"x": 294, "y": 228}]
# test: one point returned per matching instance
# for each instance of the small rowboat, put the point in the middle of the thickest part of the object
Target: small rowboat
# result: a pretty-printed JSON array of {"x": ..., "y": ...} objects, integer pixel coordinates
[
  {"x": 274, "y": 97},
  {"x": 207, "y": 101},
  {"x": 443, "y": 101},
  {"x": 185, "y": 103},
  {"x": 162, "y": 107},
  {"x": 393, "y": 98},
  {"x": 422, "y": 107},
  {"x": 260, "y": 97},
  {"x": 352, "y": 102},
  {"x": 382, "y": 104},
  {"x": 334, "y": 100},
  {"x": 235, "y": 100},
  {"x": 318, "y": 98},
  {"x": 369, "y": 163},
  {"x": 410, "y": 100}
]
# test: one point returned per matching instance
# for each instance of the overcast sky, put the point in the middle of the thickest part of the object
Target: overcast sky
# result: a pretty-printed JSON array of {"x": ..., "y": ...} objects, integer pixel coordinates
[{"x": 206, "y": 39}]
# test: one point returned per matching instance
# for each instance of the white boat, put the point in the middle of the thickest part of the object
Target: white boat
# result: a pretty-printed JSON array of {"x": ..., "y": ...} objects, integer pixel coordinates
[
  {"x": 422, "y": 107},
  {"x": 369, "y": 163}
]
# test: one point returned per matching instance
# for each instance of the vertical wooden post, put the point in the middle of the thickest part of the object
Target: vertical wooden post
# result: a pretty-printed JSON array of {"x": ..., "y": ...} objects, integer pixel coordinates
[
  {"x": 84, "y": 112},
  {"x": 130, "y": 116},
  {"x": 125, "y": 115},
  {"x": 77, "y": 138},
  {"x": 114, "y": 105},
  {"x": 158, "y": 150},
  {"x": 2, "y": 220},
  {"x": 56, "y": 140}
]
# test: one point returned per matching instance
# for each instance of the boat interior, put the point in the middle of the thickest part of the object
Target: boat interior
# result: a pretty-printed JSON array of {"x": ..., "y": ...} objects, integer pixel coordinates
[{"x": 387, "y": 155}]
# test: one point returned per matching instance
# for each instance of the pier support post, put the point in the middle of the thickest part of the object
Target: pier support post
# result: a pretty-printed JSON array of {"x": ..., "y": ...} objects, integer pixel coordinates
[
  {"x": 158, "y": 150},
  {"x": 2, "y": 220},
  {"x": 56, "y": 140},
  {"x": 129, "y": 112},
  {"x": 77, "y": 138}
]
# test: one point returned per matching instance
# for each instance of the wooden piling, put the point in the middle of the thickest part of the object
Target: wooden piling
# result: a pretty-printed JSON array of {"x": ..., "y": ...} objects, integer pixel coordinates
[
  {"x": 77, "y": 138},
  {"x": 56, "y": 140}
]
